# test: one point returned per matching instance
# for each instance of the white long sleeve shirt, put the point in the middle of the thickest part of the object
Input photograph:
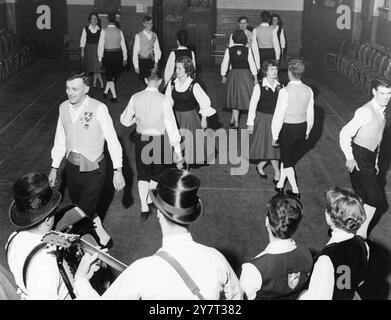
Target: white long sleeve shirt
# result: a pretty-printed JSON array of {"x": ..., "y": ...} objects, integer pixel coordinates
[
  {"x": 43, "y": 281},
  {"x": 83, "y": 38},
  {"x": 106, "y": 123},
  {"x": 322, "y": 281},
  {"x": 255, "y": 99},
  {"x": 101, "y": 44},
  {"x": 251, "y": 278},
  {"x": 170, "y": 66},
  {"x": 253, "y": 45},
  {"x": 128, "y": 118},
  {"x": 362, "y": 117},
  {"x": 152, "y": 278},
  {"x": 202, "y": 98},
  {"x": 282, "y": 104},
  {"x": 282, "y": 37},
  {"x": 225, "y": 65},
  {"x": 136, "y": 49}
]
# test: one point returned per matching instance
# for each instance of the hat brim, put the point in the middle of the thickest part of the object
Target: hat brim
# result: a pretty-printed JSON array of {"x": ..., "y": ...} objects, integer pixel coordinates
[
  {"x": 19, "y": 219},
  {"x": 183, "y": 220}
]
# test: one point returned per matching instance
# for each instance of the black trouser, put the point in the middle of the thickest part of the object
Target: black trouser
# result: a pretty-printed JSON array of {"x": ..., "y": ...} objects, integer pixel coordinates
[
  {"x": 145, "y": 65},
  {"x": 365, "y": 182},
  {"x": 113, "y": 63},
  {"x": 292, "y": 138},
  {"x": 150, "y": 165},
  {"x": 85, "y": 188},
  {"x": 264, "y": 55}
]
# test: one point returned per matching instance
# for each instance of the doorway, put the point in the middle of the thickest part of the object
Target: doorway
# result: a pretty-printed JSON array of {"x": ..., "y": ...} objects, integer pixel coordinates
[
  {"x": 196, "y": 16},
  {"x": 44, "y": 24}
]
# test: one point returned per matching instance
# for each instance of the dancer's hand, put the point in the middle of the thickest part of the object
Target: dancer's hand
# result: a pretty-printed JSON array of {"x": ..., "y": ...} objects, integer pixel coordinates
[
  {"x": 307, "y": 136},
  {"x": 352, "y": 165},
  {"x": 250, "y": 129},
  {"x": 156, "y": 65},
  {"x": 137, "y": 70},
  {"x": 53, "y": 177},
  {"x": 88, "y": 265},
  {"x": 125, "y": 62},
  {"x": 204, "y": 123},
  {"x": 377, "y": 169},
  {"x": 118, "y": 180},
  {"x": 275, "y": 144},
  {"x": 82, "y": 54},
  {"x": 255, "y": 80},
  {"x": 223, "y": 80}
]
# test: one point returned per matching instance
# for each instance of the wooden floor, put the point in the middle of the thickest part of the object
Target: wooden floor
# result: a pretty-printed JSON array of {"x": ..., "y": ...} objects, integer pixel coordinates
[{"x": 234, "y": 217}]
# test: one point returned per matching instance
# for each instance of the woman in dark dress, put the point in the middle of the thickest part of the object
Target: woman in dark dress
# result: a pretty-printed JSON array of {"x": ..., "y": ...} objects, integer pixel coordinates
[
  {"x": 262, "y": 105},
  {"x": 242, "y": 77},
  {"x": 89, "y": 48},
  {"x": 189, "y": 97},
  {"x": 341, "y": 267}
]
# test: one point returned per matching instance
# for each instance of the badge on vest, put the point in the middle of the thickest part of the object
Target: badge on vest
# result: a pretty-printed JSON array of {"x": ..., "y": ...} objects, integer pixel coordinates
[
  {"x": 293, "y": 280},
  {"x": 88, "y": 116}
]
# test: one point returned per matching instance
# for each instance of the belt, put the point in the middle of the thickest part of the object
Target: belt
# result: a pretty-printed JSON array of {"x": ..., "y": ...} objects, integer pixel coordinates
[
  {"x": 113, "y": 50},
  {"x": 85, "y": 165}
]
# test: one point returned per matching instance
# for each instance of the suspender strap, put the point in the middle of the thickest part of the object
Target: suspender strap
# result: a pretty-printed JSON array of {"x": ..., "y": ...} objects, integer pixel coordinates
[{"x": 182, "y": 273}]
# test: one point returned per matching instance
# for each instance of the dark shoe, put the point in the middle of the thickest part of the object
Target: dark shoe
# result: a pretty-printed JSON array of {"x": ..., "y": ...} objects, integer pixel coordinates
[
  {"x": 263, "y": 176},
  {"x": 279, "y": 191},
  {"x": 292, "y": 194},
  {"x": 114, "y": 100},
  {"x": 144, "y": 215},
  {"x": 104, "y": 96},
  {"x": 109, "y": 245}
]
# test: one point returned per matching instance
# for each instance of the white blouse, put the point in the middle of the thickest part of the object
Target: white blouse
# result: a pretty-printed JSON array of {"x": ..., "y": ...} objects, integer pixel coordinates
[
  {"x": 202, "y": 98},
  {"x": 83, "y": 39}
]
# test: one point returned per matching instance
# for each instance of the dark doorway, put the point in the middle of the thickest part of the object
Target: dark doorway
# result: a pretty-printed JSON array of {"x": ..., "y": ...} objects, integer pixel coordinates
[
  {"x": 44, "y": 24},
  {"x": 196, "y": 16}
]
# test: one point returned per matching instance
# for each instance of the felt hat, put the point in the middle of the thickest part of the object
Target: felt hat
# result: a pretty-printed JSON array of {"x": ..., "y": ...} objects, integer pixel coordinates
[
  {"x": 34, "y": 200},
  {"x": 176, "y": 196}
]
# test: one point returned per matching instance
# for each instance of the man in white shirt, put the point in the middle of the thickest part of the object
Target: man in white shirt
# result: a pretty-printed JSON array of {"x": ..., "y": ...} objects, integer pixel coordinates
[
  {"x": 146, "y": 50},
  {"x": 292, "y": 123},
  {"x": 152, "y": 112},
  {"x": 33, "y": 212},
  {"x": 360, "y": 141},
  {"x": 83, "y": 126},
  {"x": 155, "y": 277},
  {"x": 267, "y": 39}
]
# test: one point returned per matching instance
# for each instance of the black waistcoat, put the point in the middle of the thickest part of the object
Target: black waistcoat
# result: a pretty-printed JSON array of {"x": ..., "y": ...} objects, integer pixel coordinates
[
  {"x": 239, "y": 57},
  {"x": 92, "y": 37},
  {"x": 184, "y": 101},
  {"x": 268, "y": 100}
]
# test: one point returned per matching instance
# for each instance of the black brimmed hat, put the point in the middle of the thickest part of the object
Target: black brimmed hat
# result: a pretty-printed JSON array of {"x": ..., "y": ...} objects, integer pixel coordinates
[
  {"x": 34, "y": 200},
  {"x": 176, "y": 196}
]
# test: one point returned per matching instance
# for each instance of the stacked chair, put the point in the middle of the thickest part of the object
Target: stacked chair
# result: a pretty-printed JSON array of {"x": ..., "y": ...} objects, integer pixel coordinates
[
  {"x": 13, "y": 58},
  {"x": 363, "y": 64}
]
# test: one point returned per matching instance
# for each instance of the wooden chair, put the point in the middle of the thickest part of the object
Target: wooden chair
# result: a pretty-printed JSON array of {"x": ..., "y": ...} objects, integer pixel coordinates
[
  {"x": 353, "y": 55},
  {"x": 218, "y": 45},
  {"x": 71, "y": 47},
  {"x": 377, "y": 68}
]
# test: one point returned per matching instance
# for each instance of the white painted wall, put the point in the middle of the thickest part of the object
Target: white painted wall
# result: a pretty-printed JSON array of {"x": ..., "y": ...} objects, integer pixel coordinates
[{"x": 291, "y": 5}]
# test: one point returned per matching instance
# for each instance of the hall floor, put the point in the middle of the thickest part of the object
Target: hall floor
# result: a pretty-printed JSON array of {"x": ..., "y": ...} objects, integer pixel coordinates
[{"x": 234, "y": 218}]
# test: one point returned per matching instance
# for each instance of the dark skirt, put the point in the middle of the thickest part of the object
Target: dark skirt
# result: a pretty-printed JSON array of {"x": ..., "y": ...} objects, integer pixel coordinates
[
  {"x": 240, "y": 85},
  {"x": 292, "y": 138},
  {"x": 91, "y": 62},
  {"x": 261, "y": 141},
  {"x": 197, "y": 142},
  {"x": 113, "y": 63},
  {"x": 365, "y": 182}
]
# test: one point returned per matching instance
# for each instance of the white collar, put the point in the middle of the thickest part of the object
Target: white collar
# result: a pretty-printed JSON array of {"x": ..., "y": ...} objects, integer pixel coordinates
[
  {"x": 187, "y": 82},
  {"x": 93, "y": 29},
  {"x": 176, "y": 239},
  {"x": 265, "y": 83},
  {"x": 339, "y": 235},
  {"x": 279, "y": 247},
  {"x": 265, "y": 24},
  {"x": 182, "y": 48},
  {"x": 111, "y": 26},
  {"x": 83, "y": 105},
  {"x": 295, "y": 82},
  {"x": 151, "y": 89},
  {"x": 377, "y": 106},
  {"x": 147, "y": 33}
]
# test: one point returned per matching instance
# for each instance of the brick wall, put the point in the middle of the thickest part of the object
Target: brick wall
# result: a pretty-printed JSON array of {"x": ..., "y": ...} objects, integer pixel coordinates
[{"x": 227, "y": 22}]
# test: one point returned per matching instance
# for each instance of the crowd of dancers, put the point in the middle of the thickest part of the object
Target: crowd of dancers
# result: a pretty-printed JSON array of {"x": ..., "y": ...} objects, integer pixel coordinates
[{"x": 280, "y": 118}]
